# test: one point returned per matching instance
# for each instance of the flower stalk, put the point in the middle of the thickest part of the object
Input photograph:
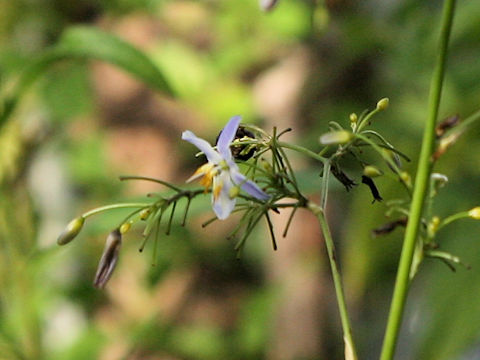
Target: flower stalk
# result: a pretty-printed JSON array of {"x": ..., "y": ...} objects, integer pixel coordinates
[
  {"x": 420, "y": 190},
  {"x": 350, "y": 351}
]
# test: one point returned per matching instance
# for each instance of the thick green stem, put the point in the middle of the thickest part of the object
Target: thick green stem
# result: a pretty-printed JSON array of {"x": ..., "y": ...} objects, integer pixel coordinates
[
  {"x": 419, "y": 191},
  {"x": 350, "y": 352}
]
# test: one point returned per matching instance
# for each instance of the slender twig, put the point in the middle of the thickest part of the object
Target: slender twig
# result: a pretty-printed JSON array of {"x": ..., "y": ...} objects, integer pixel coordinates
[
  {"x": 146, "y": 178},
  {"x": 302, "y": 150},
  {"x": 114, "y": 206},
  {"x": 419, "y": 191},
  {"x": 337, "y": 281},
  {"x": 287, "y": 226},
  {"x": 270, "y": 229},
  {"x": 465, "y": 124}
]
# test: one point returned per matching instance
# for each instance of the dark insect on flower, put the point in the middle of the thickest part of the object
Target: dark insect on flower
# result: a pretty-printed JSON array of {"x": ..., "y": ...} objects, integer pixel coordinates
[
  {"x": 245, "y": 151},
  {"x": 109, "y": 259},
  {"x": 342, "y": 177},
  {"x": 373, "y": 188},
  {"x": 446, "y": 124},
  {"x": 389, "y": 227}
]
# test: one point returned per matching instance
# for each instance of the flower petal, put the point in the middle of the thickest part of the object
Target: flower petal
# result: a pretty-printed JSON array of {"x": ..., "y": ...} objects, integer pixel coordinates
[
  {"x": 248, "y": 186},
  {"x": 226, "y": 137},
  {"x": 222, "y": 203},
  {"x": 253, "y": 189},
  {"x": 203, "y": 146}
]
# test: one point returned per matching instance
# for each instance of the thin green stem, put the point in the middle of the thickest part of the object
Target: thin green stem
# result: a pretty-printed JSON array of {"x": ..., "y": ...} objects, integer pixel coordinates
[
  {"x": 378, "y": 149},
  {"x": 302, "y": 150},
  {"x": 326, "y": 176},
  {"x": 337, "y": 281},
  {"x": 114, "y": 206},
  {"x": 363, "y": 121},
  {"x": 420, "y": 190},
  {"x": 389, "y": 161},
  {"x": 146, "y": 178},
  {"x": 465, "y": 124},
  {"x": 452, "y": 218}
]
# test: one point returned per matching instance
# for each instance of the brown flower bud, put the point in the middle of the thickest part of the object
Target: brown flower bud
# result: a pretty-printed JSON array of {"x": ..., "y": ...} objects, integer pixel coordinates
[
  {"x": 389, "y": 227},
  {"x": 109, "y": 259},
  {"x": 446, "y": 124}
]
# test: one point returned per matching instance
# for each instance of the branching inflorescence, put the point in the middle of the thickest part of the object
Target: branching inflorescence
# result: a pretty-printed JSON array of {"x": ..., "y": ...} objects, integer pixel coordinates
[{"x": 249, "y": 172}]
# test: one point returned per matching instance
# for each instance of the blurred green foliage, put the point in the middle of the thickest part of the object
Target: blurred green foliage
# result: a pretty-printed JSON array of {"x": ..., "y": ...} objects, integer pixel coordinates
[{"x": 199, "y": 302}]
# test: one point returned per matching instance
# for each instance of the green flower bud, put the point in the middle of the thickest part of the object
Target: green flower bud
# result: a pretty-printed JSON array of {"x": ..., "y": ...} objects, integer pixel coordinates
[
  {"x": 383, "y": 104},
  {"x": 71, "y": 231},
  {"x": 475, "y": 213},
  {"x": 336, "y": 137},
  {"x": 394, "y": 157},
  {"x": 125, "y": 227},
  {"x": 371, "y": 171},
  {"x": 353, "y": 118},
  {"x": 433, "y": 226}
]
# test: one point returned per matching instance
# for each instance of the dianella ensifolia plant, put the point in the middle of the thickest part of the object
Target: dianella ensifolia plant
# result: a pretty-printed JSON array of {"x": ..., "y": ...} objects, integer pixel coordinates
[{"x": 249, "y": 172}]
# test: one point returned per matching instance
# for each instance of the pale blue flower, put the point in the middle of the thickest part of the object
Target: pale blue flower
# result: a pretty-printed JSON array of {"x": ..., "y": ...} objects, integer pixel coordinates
[{"x": 222, "y": 171}]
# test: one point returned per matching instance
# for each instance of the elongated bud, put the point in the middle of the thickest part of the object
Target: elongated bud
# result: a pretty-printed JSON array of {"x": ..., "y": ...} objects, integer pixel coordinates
[
  {"x": 433, "y": 226},
  {"x": 383, "y": 104},
  {"x": 394, "y": 157},
  {"x": 267, "y": 5},
  {"x": 71, "y": 231},
  {"x": 371, "y": 171},
  {"x": 336, "y": 137},
  {"x": 109, "y": 259},
  {"x": 475, "y": 213}
]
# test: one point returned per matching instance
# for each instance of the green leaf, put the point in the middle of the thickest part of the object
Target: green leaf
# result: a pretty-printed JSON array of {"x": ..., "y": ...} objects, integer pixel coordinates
[
  {"x": 82, "y": 42},
  {"x": 91, "y": 43}
]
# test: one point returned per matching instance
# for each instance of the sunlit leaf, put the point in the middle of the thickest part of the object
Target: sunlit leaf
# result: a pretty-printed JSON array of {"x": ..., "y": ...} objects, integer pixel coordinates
[{"x": 83, "y": 42}]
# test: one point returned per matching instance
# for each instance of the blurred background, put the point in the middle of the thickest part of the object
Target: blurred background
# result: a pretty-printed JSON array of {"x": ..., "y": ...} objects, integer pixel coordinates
[{"x": 84, "y": 123}]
